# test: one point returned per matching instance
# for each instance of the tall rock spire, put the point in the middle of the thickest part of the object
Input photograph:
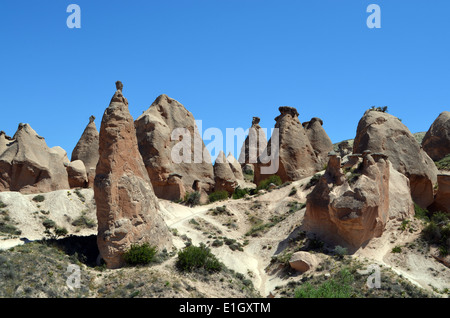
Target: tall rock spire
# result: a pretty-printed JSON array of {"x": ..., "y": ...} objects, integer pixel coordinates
[{"x": 127, "y": 208}]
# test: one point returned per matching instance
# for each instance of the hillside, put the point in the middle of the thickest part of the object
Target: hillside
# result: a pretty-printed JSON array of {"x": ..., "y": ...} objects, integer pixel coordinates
[{"x": 254, "y": 237}]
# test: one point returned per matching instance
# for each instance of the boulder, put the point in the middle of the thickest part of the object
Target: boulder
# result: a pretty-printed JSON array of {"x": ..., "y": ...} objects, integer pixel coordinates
[
  {"x": 224, "y": 177},
  {"x": 170, "y": 142},
  {"x": 235, "y": 167},
  {"x": 61, "y": 153},
  {"x": 289, "y": 150},
  {"x": 303, "y": 261},
  {"x": 28, "y": 165},
  {"x": 350, "y": 207},
  {"x": 86, "y": 149},
  {"x": 382, "y": 132},
  {"x": 319, "y": 139},
  {"x": 127, "y": 208},
  {"x": 76, "y": 172},
  {"x": 442, "y": 199},
  {"x": 436, "y": 142}
]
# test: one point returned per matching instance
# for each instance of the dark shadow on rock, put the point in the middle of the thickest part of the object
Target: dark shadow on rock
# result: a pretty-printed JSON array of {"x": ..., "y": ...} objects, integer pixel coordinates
[{"x": 83, "y": 248}]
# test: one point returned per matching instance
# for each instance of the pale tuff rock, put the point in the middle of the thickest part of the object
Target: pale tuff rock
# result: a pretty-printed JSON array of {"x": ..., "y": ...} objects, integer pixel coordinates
[
  {"x": 86, "y": 149},
  {"x": 127, "y": 208},
  {"x": 235, "y": 167},
  {"x": 224, "y": 177},
  {"x": 170, "y": 142},
  {"x": 382, "y": 132},
  {"x": 61, "y": 153},
  {"x": 318, "y": 138},
  {"x": 77, "y": 174},
  {"x": 254, "y": 144},
  {"x": 289, "y": 150},
  {"x": 436, "y": 142},
  {"x": 302, "y": 261},
  {"x": 350, "y": 207},
  {"x": 28, "y": 165}
]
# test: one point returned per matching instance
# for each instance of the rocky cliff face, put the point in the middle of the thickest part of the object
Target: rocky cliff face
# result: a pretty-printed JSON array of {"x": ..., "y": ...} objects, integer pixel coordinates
[
  {"x": 127, "y": 208},
  {"x": 382, "y": 132},
  {"x": 170, "y": 143},
  {"x": 436, "y": 142},
  {"x": 28, "y": 165}
]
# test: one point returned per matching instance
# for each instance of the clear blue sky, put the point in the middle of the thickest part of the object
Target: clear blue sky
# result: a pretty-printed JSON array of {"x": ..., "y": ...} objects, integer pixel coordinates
[{"x": 225, "y": 60}]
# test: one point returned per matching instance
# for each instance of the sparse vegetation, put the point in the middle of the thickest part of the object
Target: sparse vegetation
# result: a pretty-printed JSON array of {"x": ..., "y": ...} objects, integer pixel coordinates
[
  {"x": 313, "y": 181},
  {"x": 240, "y": 193},
  {"x": 437, "y": 228},
  {"x": 293, "y": 191},
  {"x": 84, "y": 221},
  {"x": 383, "y": 109},
  {"x": 340, "y": 251},
  {"x": 218, "y": 196},
  {"x": 397, "y": 249},
  {"x": 444, "y": 163},
  {"x": 80, "y": 195},
  {"x": 264, "y": 185},
  {"x": 338, "y": 287}
]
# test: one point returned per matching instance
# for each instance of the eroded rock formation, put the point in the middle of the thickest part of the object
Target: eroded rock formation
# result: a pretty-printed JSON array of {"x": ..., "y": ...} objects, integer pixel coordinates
[
  {"x": 319, "y": 139},
  {"x": 28, "y": 165},
  {"x": 382, "y": 132},
  {"x": 350, "y": 206},
  {"x": 170, "y": 142},
  {"x": 289, "y": 150},
  {"x": 86, "y": 149},
  {"x": 436, "y": 142},
  {"x": 224, "y": 177},
  {"x": 127, "y": 208}
]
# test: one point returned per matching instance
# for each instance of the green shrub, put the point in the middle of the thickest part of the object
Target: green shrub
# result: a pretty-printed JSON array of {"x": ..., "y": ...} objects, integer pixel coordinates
[
  {"x": 340, "y": 251},
  {"x": 240, "y": 193},
  {"x": 9, "y": 229},
  {"x": 60, "y": 231},
  {"x": 397, "y": 249},
  {"x": 264, "y": 185},
  {"x": 140, "y": 254},
  {"x": 48, "y": 224},
  {"x": 293, "y": 191},
  {"x": 197, "y": 257},
  {"x": 38, "y": 198},
  {"x": 2, "y": 205},
  {"x": 192, "y": 199},
  {"x": 218, "y": 196}
]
